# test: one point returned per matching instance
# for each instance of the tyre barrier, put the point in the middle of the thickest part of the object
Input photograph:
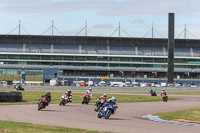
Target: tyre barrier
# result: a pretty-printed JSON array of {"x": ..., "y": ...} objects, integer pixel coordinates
[{"x": 9, "y": 96}]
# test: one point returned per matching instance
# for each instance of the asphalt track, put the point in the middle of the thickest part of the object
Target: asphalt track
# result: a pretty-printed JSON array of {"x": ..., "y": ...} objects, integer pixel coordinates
[{"x": 127, "y": 118}]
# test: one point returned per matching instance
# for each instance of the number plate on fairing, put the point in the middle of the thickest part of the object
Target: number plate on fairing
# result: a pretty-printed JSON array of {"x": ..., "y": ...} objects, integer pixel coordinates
[{"x": 105, "y": 108}]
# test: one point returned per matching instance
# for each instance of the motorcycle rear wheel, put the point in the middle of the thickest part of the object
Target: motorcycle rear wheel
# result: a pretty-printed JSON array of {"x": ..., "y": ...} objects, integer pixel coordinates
[{"x": 99, "y": 115}]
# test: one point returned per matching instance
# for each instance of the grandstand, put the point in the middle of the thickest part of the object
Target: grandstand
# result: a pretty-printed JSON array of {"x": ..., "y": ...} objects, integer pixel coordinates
[{"x": 97, "y": 56}]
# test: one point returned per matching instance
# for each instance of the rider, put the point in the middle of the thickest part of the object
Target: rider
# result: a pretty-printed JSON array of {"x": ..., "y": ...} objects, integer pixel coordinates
[
  {"x": 110, "y": 101},
  {"x": 89, "y": 91},
  {"x": 164, "y": 92},
  {"x": 68, "y": 94},
  {"x": 151, "y": 91},
  {"x": 103, "y": 97},
  {"x": 47, "y": 96}
]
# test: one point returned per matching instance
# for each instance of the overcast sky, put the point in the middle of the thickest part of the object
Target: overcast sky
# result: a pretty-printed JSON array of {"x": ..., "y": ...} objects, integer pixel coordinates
[{"x": 102, "y": 16}]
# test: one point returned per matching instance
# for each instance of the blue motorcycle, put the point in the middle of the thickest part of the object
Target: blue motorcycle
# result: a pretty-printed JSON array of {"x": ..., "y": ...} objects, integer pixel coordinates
[{"x": 107, "y": 110}]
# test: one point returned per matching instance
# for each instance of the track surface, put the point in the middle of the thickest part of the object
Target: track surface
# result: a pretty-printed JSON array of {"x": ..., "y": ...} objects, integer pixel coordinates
[{"x": 128, "y": 117}]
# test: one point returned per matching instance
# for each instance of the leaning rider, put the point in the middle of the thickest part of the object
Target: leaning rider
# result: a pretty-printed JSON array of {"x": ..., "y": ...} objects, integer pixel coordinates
[
  {"x": 90, "y": 93},
  {"x": 151, "y": 91},
  {"x": 47, "y": 96},
  {"x": 164, "y": 92},
  {"x": 103, "y": 97},
  {"x": 67, "y": 95},
  {"x": 110, "y": 101}
]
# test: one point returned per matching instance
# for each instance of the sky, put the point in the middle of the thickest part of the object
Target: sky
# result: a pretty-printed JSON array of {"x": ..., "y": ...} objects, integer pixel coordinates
[{"x": 103, "y": 17}]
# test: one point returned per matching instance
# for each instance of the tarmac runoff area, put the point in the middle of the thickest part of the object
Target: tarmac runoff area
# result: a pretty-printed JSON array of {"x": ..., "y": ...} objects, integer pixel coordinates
[{"x": 127, "y": 119}]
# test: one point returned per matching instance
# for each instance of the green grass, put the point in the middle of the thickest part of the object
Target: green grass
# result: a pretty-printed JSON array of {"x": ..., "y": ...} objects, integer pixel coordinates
[
  {"x": 189, "y": 114},
  {"x": 32, "y": 97},
  {"x": 19, "y": 127},
  {"x": 184, "y": 93}
]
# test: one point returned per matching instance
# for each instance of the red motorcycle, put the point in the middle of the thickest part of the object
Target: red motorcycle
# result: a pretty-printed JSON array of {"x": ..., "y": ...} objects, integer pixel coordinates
[
  {"x": 164, "y": 97},
  {"x": 86, "y": 98},
  {"x": 43, "y": 102},
  {"x": 64, "y": 100}
]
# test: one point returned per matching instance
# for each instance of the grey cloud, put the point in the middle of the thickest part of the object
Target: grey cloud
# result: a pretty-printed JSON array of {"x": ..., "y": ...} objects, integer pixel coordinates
[
  {"x": 50, "y": 6},
  {"x": 137, "y": 21},
  {"x": 103, "y": 7}
]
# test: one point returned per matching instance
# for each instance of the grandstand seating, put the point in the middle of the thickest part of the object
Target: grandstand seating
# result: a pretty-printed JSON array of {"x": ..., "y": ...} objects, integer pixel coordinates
[
  {"x": 182, "y": 51},
  {"x": 114, "y": 49}
]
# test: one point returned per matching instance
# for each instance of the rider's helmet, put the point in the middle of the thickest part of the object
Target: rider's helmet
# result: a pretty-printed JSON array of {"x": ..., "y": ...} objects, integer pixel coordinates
[
  {"x": 114, "y": 99},
  {"x": 90, "y": 89},
  {"x": 48, "y": 94},
  {"x": 104, "y": 95},
  {"x": 163, "y": 90},
  {"x": 69, "y": 91}
]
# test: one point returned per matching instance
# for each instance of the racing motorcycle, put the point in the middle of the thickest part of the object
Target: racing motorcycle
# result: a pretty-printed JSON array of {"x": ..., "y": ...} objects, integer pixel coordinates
[
  {"x": 164, "y": 97},
  {"x": 43, "y": 102},
  {"x": 99, "y": 104},
  {"x": 153, "y": 93},
  {"x": 107, "y": 111},
  {"x": 86, "y": 98},
  {"x": 64, "y": 100}
]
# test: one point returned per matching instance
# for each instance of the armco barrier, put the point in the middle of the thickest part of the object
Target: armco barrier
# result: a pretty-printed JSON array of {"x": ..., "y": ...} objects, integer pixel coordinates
[{"x": 9, "y": 96}]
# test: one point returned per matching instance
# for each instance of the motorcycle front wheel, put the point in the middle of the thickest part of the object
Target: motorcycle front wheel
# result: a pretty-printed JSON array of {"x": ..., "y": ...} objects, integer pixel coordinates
[
  {"x": 40, "y": 106},
  {"x": 61, "y": 102},
  {"x": 83, "y": 101},
  {"x": 108, "y": 114}
]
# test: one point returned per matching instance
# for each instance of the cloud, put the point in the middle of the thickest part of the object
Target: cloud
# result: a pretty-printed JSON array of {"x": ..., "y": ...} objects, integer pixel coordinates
[
  {"x": 137, "y": 21},
  {"x": 103, "y": 26},
  {"x": 103, "y": 7}
]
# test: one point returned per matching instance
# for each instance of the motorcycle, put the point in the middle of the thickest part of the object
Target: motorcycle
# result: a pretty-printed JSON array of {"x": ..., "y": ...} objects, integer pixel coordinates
[
  {"x": 64, "y": 100},
  {"x": 43, "y": 102},
  {"x": 107, "y": 111},
  {"x": 18, "y": 87},
  {"x": 153, "y": 93},
  {"x": 164, "y": 97},
  {"x": 86, "y": 98},
  {"x": 99, "y": 104}
]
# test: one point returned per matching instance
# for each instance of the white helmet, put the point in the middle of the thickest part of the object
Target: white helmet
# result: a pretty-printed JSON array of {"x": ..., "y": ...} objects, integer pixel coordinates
[
  {"x": 104, "y": 94},
  {"x": 90, "y": 89},
  {"x": 114, "y": 99}
]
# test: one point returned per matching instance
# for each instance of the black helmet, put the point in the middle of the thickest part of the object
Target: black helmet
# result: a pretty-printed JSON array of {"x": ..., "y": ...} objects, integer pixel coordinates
[{"x": 48, "y": 94}]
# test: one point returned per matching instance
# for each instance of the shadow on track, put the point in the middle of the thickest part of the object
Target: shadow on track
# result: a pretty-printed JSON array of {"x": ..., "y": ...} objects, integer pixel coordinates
[
  {"x": 52, "y": 110},
  {"x": 117, "y": 119}
]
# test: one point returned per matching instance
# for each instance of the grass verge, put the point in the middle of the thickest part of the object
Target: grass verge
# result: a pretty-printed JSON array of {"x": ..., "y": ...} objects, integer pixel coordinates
[
  {"x": 189, "y": 114},
  {"x": 19, "y": 127},
  {"x": 32, "y": 97}
]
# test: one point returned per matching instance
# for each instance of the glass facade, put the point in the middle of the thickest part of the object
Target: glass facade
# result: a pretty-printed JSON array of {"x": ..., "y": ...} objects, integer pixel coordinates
[{"x": 103, "y": 61}]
